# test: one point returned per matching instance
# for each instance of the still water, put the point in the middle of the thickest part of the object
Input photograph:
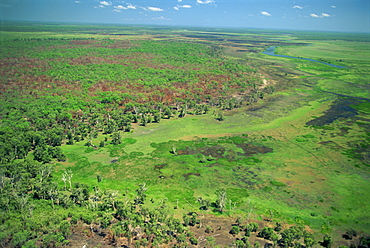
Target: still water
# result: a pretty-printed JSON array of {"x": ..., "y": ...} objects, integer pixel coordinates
[{"x": 271, "y": 51}]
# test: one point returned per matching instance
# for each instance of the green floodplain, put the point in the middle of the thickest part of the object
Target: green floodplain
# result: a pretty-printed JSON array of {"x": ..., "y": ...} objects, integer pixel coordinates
[{"x": 136, "y": 136}]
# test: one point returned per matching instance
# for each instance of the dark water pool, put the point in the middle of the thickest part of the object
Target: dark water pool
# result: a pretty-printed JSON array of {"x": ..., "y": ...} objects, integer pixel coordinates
[{"x": 340, "y": 109}]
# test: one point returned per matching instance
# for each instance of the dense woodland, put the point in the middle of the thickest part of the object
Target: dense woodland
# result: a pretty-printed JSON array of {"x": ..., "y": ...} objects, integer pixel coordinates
[
  {"x": 50, "y": 102},
  {"x": 59, "y": 91}
]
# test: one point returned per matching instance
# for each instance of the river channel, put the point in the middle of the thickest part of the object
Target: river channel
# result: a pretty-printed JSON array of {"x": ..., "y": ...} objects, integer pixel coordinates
[{"x": 271, "y": 51}]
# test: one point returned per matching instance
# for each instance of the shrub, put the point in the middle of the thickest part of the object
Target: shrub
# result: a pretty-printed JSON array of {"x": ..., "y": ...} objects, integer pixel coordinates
[
  {"x": 253, "y": 227},
  {"x": 266, "y": 233},
  {"x": 193, "y": 241},
  {"x": 278, "y": 184},
  {"x": 19, "y": 238},
  {"x": 235, "y": 230}
]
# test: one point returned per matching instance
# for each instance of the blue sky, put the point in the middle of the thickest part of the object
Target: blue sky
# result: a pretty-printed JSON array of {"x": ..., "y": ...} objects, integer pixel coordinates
[{"x": 330, "y": 15}]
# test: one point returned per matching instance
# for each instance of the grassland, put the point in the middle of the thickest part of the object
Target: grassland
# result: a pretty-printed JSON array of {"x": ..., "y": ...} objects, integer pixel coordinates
[{"x": 298, "y": 156}]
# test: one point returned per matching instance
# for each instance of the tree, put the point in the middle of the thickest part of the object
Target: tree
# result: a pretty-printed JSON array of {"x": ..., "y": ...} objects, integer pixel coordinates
[
  {"x": 157, "y": 117},
  {"x": 110, "y": 127},
  {"x": 80, "y": 193},
  {"x": 206, "y": 109},
  {"x": 242, "y": 243},
  {"x": 167, "y": 111},
  {"x": 89, "y": 143},
  {"x": 253, "y": 227},
  {"x": 56, "y": 152},
  {"x": 141, "y": 195},
  {"x": 278, "y": 227},
  {"x": 143, "y": 120},
  {"x": 221, "y": 199},
  {"x": 327, "y": 241},
  {"x": 350, "y": 234},
  {"x": 52, "y": 194},
  {"x": 149, "y": 119},
  {"x": 99, "y": 178},
  {"x": 364, "y": 242},
  {"x": 235, "y": 230},
  {"x": 116, "y": 138},
  {"x": 64, "y": 179},
  {"x": 202, "y": 159},
  {"x": 128, "y": 127},
  {"x": 110, "y": 197},
  {"x": 204, "y": 203},
  {"x": 173, "y": 151},
  {"x": 287, "y": 238},
  {"x": 309, "y": 240},
  {"x": 256, "y": 245},
  {"x": 268, "y": 233},
  {"x": 193, "y": 240},
  {"x": 41, "y": 154},
  {"x": 45, "y": 171},
  {"x": 67, "y": 177},
  {"x": 220, "y": 116},
  {"x": 182, "y": 112}
]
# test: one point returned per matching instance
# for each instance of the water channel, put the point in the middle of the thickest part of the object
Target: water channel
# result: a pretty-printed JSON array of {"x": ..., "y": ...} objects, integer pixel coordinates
[{"x": 271, "y": 51}]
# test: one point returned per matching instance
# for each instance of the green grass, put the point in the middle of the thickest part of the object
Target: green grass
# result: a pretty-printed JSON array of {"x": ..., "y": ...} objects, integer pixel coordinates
[
  {"x": 193, "y": 126},
  {"x": 363, "y": 107}
]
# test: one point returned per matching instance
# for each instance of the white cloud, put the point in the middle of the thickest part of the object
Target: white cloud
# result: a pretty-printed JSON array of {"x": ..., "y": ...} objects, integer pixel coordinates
[
  {"x": 320, "y": 16},
  {"x": 154, "y": 9},
  {"x": 129, "y": 6},
  {"x": 119, "y": 7},
  {"x": 161, "y": 18},
  {"x": 333, "y": 6},
  {"x": 105, "y": 3},
  {"x": 205, "y": 1},
  {"x": 179, "y": 1},
  {"x": 117, "y": 10},
  {"x": 186, "y": 6},
  {"x": 265, "y": 13},
  {"x": 77, "y": 2},
  {"x": 101, "y": 6},
  {"x": 297, "y": 7}
]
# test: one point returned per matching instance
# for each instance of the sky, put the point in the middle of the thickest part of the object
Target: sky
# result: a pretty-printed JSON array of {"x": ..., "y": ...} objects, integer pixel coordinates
[{"x": 321, "y": 15}]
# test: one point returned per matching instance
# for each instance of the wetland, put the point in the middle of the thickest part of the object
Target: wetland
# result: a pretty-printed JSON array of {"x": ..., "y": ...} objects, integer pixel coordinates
[{"x": 120, "y": 136}]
